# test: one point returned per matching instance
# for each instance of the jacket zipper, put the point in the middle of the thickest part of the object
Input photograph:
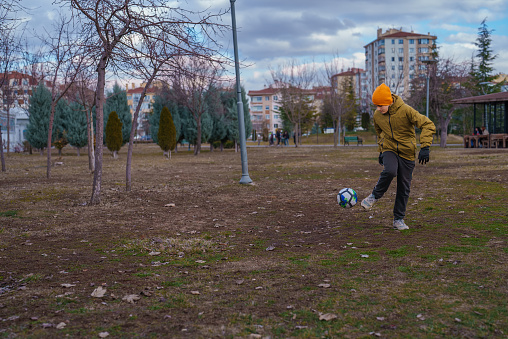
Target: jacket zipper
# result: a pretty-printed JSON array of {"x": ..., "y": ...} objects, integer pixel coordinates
[{"x": 391, "y": 130}]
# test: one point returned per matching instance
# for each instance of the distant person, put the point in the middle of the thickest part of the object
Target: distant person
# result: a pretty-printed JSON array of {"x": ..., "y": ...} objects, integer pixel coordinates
[
  {"x": 277, "y": 135},
  {"x": 286, "y": 137},
  {"x": 395, "y": 124},
  {"x": 477, "y": 131},
  {"x": 485, "y": 131}
]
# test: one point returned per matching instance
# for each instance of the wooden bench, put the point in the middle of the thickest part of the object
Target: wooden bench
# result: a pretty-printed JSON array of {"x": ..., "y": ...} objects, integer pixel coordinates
[{"x": 352, "y": 138}]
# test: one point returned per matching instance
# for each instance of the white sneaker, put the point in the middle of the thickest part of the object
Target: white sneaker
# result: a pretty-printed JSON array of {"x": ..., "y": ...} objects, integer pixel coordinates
[
  {"x": 368, "y": 202},
  {"x": 400, "y": 225}
]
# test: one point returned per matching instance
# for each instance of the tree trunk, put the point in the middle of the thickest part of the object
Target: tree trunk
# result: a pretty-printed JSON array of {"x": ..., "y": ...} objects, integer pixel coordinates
[
  {"x": 91, "y": 153},
  {"x": 8, "y": 127},
  {"x": 99, "y": 128},
  {"x": 2, "y": 152},
  {"x": 115, "y": 154},
  {"x": 197, "y": 147},
  {"x": 134, "y": 128},
  {"x": 78, "y": 151},
  {"x": 50, "y": 135}
]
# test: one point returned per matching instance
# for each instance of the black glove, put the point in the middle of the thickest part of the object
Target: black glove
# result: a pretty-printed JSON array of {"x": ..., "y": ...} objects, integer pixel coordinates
[
  {"x": 380, "y": 159},
  {"x": 423, "y": 156}
]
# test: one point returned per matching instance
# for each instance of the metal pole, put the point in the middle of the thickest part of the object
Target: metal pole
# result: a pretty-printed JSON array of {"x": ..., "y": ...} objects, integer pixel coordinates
[
  {"x": 427, "y": 109},
  {"x": 241, "y": 122}
]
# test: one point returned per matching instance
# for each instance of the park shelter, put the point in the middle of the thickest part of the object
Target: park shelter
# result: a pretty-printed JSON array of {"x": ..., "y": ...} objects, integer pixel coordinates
[{"x": 494, "y": 115}]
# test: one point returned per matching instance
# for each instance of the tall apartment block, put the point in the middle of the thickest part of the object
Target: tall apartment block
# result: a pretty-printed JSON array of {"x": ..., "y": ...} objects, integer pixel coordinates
[
  {"x": 396, "y": 57},
  {"x": 264, "y": 109}
]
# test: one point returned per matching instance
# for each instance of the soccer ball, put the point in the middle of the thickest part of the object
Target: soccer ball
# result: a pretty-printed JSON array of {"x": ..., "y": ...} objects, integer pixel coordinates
[{"x": 347, "y": 197}]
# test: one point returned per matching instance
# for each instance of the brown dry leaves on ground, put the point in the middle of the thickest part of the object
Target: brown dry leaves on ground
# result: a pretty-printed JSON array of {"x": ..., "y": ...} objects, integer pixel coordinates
[{"x": 192, "y": 253}]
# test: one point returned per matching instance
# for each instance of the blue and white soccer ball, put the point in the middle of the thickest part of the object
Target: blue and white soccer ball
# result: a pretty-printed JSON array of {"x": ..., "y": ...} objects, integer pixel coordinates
[{"x": 347, "y": 198}]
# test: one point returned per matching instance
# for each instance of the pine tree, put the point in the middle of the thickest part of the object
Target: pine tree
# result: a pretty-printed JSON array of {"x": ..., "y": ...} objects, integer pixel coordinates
[
  {"x": 114, "y": 133},
  {"x": 38, "y": 122},
  {"x": 76, "y": 125},
  {"x": 60, "y": 125},
  {"x": 166, "y": 134},
  {"x": 117, "y": 101},
  {"x": 482, "y": 74}
]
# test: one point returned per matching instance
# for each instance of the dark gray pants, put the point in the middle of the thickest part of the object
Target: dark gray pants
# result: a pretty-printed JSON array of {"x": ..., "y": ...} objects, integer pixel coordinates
[{"x": 395, "y": 166}]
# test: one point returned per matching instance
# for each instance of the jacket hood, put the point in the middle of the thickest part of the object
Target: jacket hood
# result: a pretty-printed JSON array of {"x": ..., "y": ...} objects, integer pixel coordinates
[{"x": 397, "y": 102}]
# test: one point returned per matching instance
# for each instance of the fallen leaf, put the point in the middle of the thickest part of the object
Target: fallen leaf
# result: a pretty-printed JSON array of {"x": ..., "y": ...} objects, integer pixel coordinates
[
  {"x": 170, "y": 205},
  {"x": 364, "y": 255},
  {"x": 61, "y": 326},
  {"x": 103, "y": 334},
  {"x": 154, "y": 253},
  {"x": 195, "y": 292},
  {"x": 324, "y": 285},
  {"x": 98, "y": 292},
  {"x": 270, "y": 248},
  {"x": 200, "y": 261},
  {"x": 131, "y": 298},
  {"x": 327, "y": 316},
  {"x": 380, "y": 318}
]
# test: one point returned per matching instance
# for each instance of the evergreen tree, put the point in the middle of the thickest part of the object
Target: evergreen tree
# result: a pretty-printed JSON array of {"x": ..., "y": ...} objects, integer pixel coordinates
[
  {"x": 246, "y": 115},
  {"x": 76, "y": 126},
  {"x": 117, "y": 102},
  {"x": 38, "y": 122},
  {"x": 166, "y": 134},
  {"x": 482, "y": 74},
  {"x": 114, "y": 133},
  {"x": 60, "y": 125},
  {"x": 154, "y": 119}
]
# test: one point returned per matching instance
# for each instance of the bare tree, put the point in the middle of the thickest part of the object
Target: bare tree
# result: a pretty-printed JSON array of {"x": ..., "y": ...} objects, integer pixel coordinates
[
  {"x": 446, "y": 82},
  {"x": 336, "y": 100},
  {"x": 111, "y": 22},
  {"x": 152, "y": 55},
  {"x": 192, "y": 84},
  {"x": 294, "y": 82},
  {"x": 83, "y": 93},
  {"x": 65, "y": 59}
]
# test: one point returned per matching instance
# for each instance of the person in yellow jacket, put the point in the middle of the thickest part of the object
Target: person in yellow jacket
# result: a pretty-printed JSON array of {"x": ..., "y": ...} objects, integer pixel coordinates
[{"x": 395, "y": 124}]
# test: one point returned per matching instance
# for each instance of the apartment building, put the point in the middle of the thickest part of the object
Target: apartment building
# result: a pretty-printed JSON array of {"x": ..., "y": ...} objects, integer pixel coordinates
[
  {"x": 396, "y": 57},
  {"x": 264, "y": 109},
  {"x": 133, "y": 97},
  {"x": 358, "y": 78},
  {"x": 264, "y": 106}
]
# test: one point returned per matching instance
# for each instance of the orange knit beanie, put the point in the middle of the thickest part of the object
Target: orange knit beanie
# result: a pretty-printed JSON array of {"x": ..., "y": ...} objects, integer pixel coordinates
[{"x": 382, "y": 96}]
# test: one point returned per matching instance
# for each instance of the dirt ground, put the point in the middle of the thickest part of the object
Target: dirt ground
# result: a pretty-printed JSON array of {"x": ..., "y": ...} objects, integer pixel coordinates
[{"x": 191, "y": 253}]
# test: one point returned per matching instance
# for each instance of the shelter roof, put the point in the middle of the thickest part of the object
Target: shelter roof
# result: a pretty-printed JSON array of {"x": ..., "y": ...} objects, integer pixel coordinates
[{"x": 481, "y": 99}]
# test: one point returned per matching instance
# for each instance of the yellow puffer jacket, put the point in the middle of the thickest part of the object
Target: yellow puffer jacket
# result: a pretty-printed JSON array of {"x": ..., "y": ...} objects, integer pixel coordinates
[{"x": 396, "y": 129}]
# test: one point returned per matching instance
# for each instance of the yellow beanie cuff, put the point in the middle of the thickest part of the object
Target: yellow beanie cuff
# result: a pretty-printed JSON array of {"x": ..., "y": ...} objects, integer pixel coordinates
[{"x": 382, "y": 96}]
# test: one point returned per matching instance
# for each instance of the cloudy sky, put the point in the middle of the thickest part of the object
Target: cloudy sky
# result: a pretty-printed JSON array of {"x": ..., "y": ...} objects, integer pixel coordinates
[{"x": 272, "y": 32}]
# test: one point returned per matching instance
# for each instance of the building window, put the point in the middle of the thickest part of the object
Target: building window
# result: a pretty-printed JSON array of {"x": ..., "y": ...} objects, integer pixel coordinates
[
  {"x": 401, "y": 41},
  {"x": 401, "y": 58},
  {"x": 381, "y": 42},
  {"x": 423, "y": 50},
  {"x": 393, "y": 67},
  {"x": 393, "y": 41},
  {"x": 411, "y": 41},
  {"x": 275, "y": 107},
  {"x": 275, "y": 97},
  {"x": 276, "y": 116},
  {"x": 423, "y": 41},
  {"x": 393, "y": 77},
  {"x": 393, "y": 58},
  {"x": 393, "y": 50},
  {"x": 401, "y": 67},
  {"x": 411, "y": 50},
  {"x": 381, "y": 51},
  {"x": 257, "y": 108},
  {"x": 267, "y": 107},
  {"x": 257, "y": 99},
  {"x": 411, "y": 58},
  {"x": 275, "y": 125},
  {"x": 267, "y": 116},
  {"x": 267, "y": 98}
]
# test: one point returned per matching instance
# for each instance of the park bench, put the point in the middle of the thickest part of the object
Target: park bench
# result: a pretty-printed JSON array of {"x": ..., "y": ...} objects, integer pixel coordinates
[{"x": 352, "y": 138}]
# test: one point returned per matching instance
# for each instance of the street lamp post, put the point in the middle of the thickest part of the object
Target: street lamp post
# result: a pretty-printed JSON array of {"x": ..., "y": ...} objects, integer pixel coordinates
[
  {"x": 428, "y": 63},
  {"x": 241, "y": 122}
]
